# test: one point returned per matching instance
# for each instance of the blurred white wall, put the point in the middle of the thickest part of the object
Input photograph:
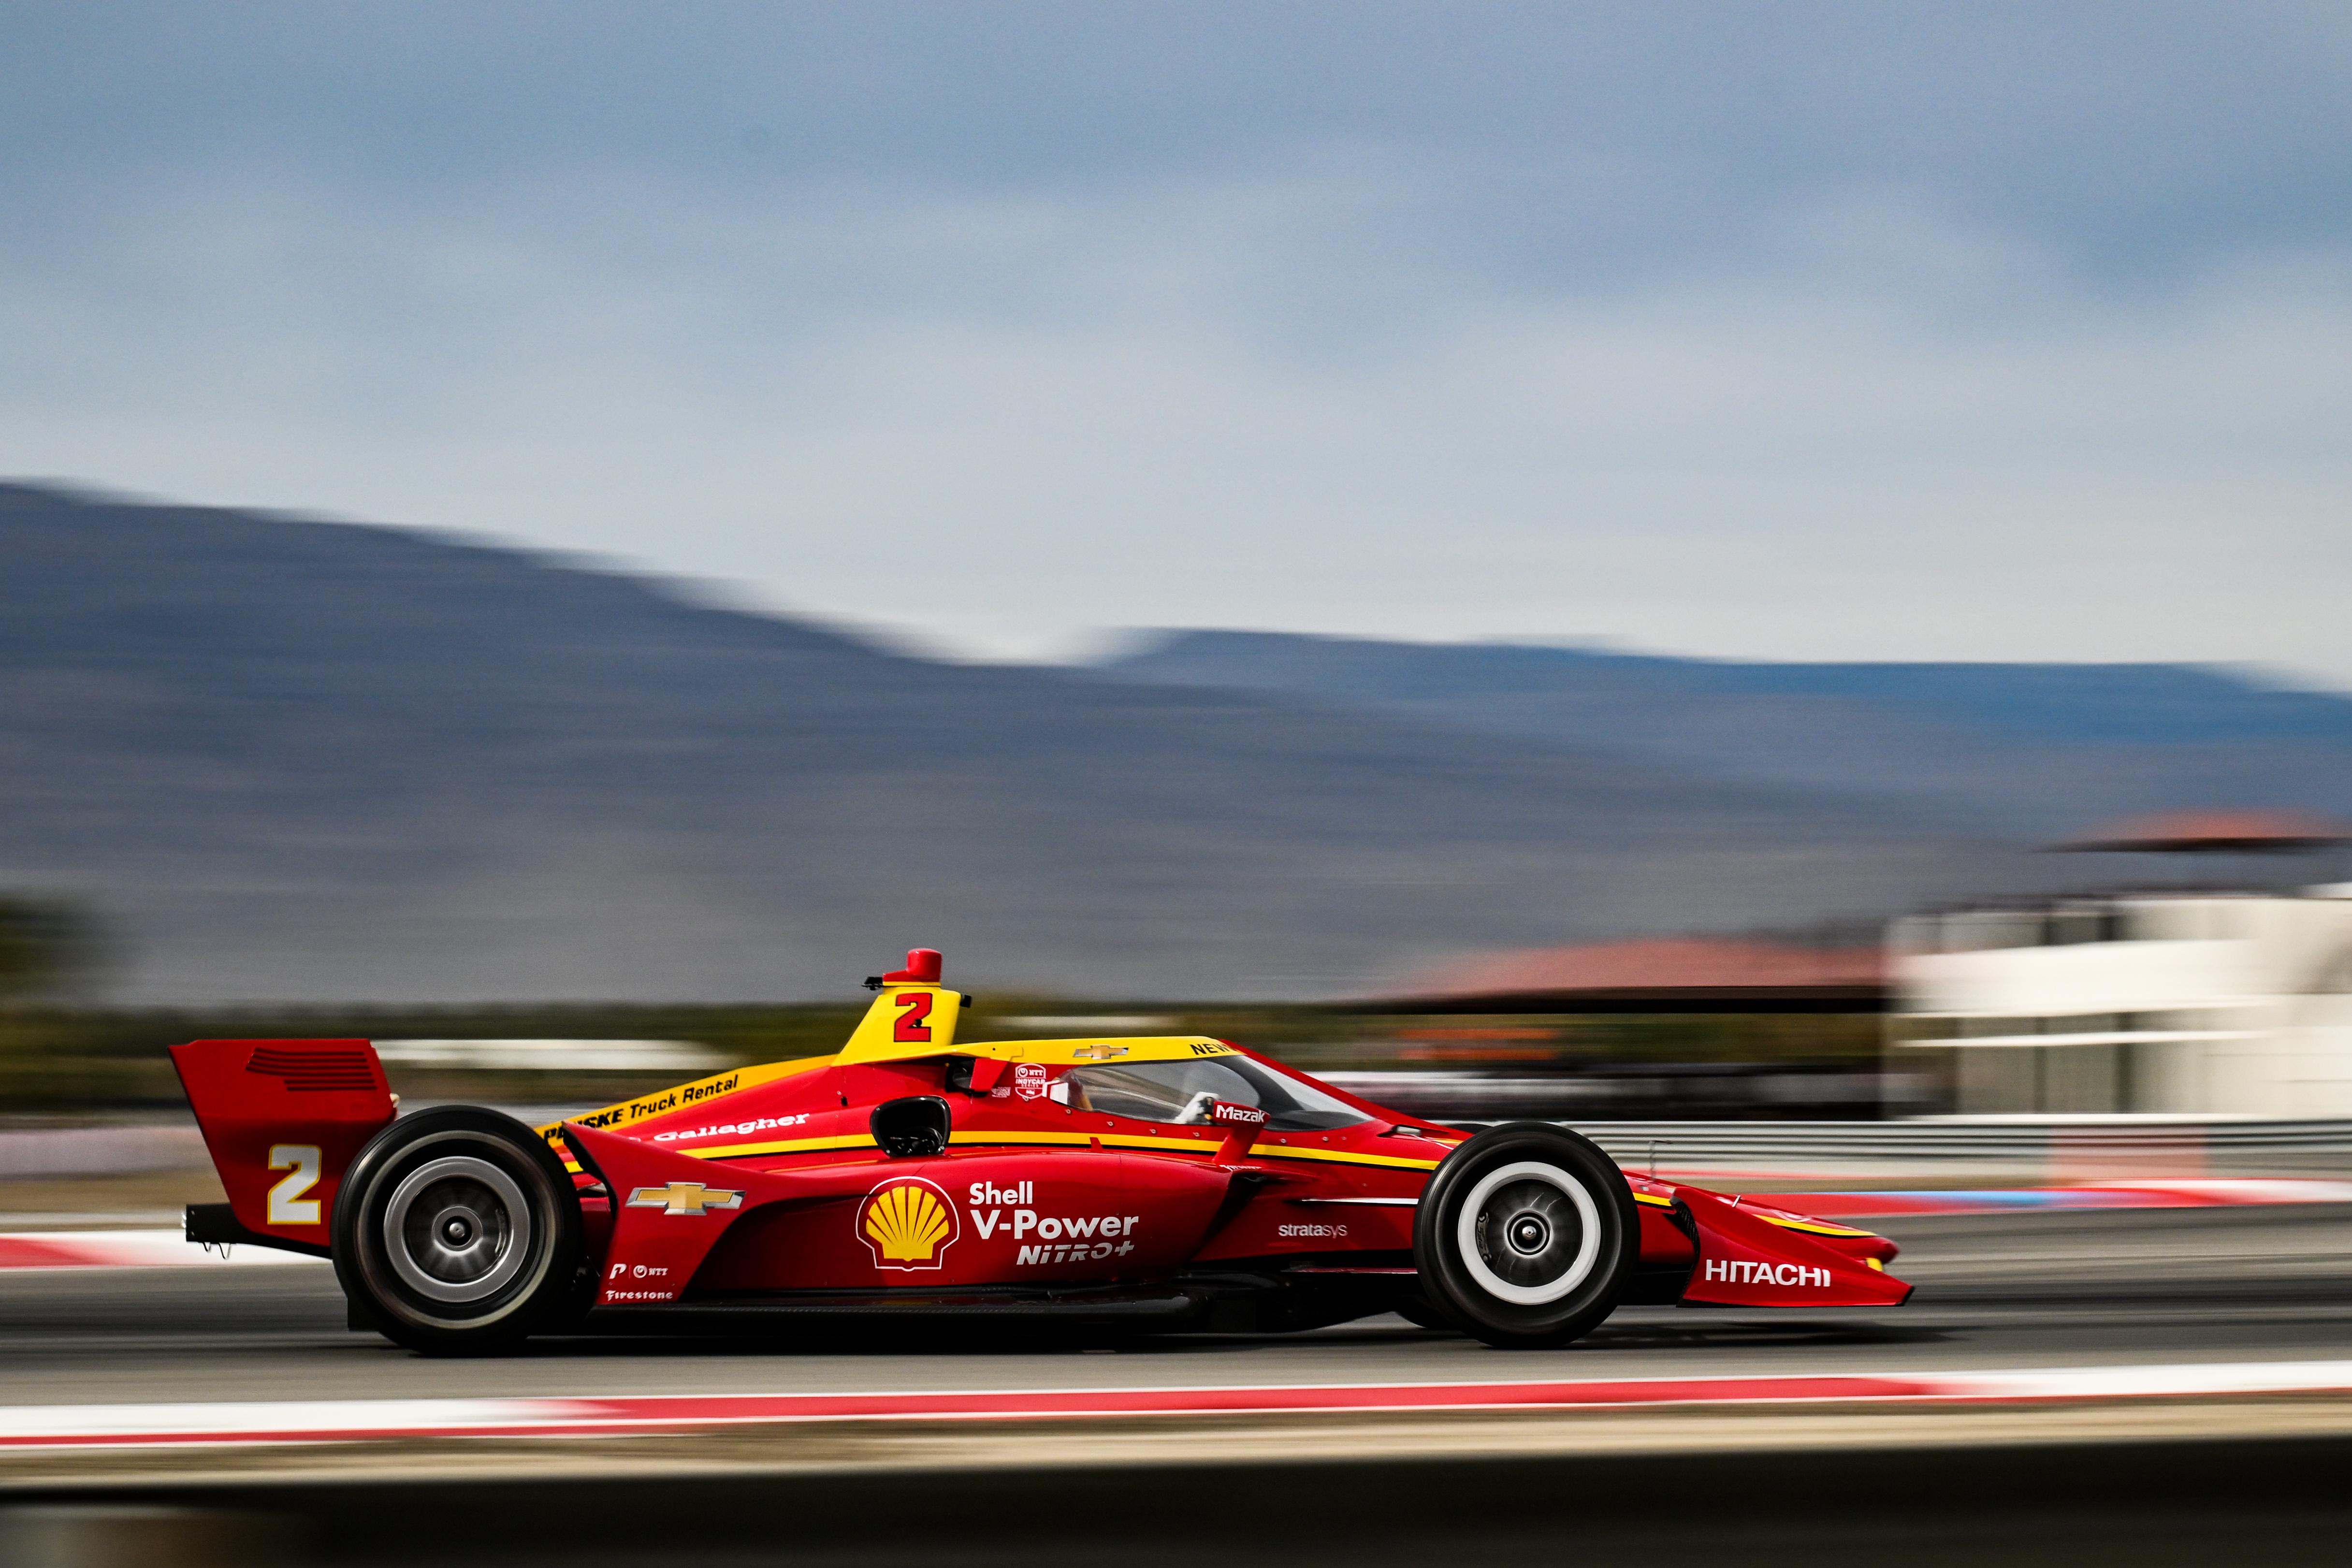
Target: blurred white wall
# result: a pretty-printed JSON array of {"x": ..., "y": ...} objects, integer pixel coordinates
[{"x": 2197, "y": 1004}]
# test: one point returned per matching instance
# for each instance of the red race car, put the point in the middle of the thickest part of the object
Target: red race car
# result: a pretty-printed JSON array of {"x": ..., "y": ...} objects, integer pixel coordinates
[{"x": 1146, "y": 1185}]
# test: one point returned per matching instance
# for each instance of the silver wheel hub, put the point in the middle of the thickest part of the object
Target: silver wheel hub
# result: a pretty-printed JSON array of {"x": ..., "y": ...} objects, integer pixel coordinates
[
  {"x": 457, "y": 1229},
  {"x": 1529, "y": 1233}
]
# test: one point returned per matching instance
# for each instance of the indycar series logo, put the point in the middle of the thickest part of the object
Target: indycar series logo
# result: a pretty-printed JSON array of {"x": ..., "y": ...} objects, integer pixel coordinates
[
  {"x": 1029, "y": 1079},
  {"x": 908, "y": 1223}
]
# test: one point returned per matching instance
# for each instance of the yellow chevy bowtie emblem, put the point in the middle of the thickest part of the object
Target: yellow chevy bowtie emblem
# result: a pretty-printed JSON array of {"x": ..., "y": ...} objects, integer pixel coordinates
[{"x": 684, "y": 1197}]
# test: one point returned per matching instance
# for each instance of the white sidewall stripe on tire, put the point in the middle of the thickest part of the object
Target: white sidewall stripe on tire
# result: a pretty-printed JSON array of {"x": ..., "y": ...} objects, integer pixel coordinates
[{"x": 1494, "y": 1284}]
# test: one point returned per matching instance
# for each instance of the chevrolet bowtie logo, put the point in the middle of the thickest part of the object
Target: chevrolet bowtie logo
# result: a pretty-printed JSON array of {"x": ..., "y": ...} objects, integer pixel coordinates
[{"x": 684, "y": 1197}]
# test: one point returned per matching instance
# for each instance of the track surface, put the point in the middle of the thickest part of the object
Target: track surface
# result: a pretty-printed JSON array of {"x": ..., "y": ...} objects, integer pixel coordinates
[{"x": 2000, "y": 1290}]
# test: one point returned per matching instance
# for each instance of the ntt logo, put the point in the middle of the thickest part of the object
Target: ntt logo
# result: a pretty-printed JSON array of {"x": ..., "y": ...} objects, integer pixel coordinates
[{"x": 1740, "y": 1271}]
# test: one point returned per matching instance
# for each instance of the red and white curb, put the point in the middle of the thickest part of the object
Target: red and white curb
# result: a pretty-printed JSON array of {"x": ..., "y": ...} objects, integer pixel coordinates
[
  {"x": 128, "y": 1249},
  {"x": 88, "y": 1426},
  {"x": 2217, "y": 1193}
]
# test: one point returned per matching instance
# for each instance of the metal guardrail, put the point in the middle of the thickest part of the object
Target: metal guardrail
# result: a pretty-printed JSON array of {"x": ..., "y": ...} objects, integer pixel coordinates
[
  {"x": 1690, "y": 1090},
  {"x": 2055, "y": 1148},
  {"x": 2050, "y": 1147},
  {"x": 46, "y": 1153},
  {"x": 1749, "y": 1121}
]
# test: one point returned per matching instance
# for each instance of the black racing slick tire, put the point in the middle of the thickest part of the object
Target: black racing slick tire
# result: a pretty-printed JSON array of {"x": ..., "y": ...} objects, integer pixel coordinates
[
  {"x": 1527, "y": 1235},
  {"x": 457, "y": 1232}
]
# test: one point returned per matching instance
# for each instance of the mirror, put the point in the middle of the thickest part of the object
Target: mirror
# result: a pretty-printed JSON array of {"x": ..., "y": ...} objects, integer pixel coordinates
[{"x": 912, "y": 1128}]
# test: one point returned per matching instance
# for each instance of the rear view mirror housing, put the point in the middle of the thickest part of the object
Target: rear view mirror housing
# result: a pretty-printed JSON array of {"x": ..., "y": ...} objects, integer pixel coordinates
[
  {"x": 913, "y": 1126},
  {"x": 974, "y": 1075}
]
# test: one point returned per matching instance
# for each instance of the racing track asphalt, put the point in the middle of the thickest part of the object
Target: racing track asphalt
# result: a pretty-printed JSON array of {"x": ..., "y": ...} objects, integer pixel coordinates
[{"x": 2013, "y": 1290}]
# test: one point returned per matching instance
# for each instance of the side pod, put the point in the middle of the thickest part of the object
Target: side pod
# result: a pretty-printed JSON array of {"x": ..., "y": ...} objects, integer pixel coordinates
[
  {"x": 1744, "y": 1262},
  {"x": 668, "y": 1211},
  {"x": 282, "y": 1119}
]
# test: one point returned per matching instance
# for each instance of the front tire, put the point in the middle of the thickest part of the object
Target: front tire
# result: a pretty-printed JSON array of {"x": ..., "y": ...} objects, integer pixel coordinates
[
  {"x": 1527, "y": 1235},
  {"x": 457, "y": 1232},
  {"x": 1415, "y": 1309}
]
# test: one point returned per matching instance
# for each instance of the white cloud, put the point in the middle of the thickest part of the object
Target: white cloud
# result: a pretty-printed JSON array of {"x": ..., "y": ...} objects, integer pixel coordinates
[{"x": 1008, "y": 420}]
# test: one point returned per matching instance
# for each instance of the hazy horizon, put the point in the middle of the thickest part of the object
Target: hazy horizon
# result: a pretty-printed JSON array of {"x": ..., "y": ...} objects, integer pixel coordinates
[{"x": 1779, "y": 331}]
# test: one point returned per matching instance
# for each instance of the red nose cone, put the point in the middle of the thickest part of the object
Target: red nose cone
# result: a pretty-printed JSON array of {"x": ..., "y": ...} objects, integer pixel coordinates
[{"x": 922, "y": 968}]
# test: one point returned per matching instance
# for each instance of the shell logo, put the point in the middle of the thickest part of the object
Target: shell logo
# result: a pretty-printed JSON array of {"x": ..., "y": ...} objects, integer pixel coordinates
[{"x": 908, "y": 1223}]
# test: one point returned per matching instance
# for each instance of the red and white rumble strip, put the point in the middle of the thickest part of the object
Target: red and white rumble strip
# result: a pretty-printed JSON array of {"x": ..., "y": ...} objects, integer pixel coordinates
[
  {"x": 127, "y": 1249},
  {"x": 90, "y": 1426}
]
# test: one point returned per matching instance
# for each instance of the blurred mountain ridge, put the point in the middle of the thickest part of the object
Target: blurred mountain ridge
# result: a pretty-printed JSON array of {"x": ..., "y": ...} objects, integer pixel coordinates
[
  {"x": 2038, "y": 750},
  {"x": 297, "y": 761}
]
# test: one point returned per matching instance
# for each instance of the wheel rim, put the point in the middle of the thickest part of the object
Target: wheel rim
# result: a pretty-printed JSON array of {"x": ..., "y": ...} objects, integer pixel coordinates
[
  {"x": 457, "y": 1229},
  {"x": 1529, "y": 1233}
]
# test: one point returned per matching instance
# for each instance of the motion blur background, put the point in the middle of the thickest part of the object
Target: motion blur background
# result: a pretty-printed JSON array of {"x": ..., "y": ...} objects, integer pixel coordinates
[
  {"x": 1764, "y": 579},
  {"x": 1736, "y": 472}
]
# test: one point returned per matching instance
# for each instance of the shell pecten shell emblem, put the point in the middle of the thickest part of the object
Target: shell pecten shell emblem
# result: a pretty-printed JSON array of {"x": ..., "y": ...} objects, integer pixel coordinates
[{"x": 908, "y": 1223}]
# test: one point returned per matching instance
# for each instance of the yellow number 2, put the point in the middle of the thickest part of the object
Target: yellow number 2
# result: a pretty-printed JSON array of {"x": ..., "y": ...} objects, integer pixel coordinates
[{"x": 286, "y": 1203}]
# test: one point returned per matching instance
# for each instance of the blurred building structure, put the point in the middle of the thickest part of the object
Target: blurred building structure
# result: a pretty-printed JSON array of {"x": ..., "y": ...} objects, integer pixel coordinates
[
  {"x": 1672, "y": 975},
  {"x": 1728, "y": 1051},
  {"x": 2191, "y": 999}
]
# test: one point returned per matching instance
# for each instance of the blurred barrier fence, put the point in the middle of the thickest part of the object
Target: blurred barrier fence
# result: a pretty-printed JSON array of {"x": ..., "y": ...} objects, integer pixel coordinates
[
  {"x": 680, "y": 1057},
  {"x": 1680, "y": 1091},
  {"x": 35, "y": 1153},
  {"x": 2054, "y": 1149},
  {"x": 2046, "y": 1148}
]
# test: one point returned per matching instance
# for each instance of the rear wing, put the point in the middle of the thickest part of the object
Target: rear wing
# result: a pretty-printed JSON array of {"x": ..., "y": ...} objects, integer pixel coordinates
[{"x": 282, "y": 1120}]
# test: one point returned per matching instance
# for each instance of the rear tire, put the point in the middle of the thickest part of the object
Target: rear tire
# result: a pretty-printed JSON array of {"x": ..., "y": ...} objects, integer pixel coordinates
[
  {"x": 1527, "y": 1235},
  {"x": 458, "y": 1232}
]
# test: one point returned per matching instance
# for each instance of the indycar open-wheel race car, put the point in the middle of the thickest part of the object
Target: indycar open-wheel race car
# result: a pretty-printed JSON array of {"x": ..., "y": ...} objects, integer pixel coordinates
[{"x": 1150, "y": 1185}]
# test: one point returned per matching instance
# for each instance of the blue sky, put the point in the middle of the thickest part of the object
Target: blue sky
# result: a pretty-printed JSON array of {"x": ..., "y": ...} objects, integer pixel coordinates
[{"x": 1836, "y": 331}]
